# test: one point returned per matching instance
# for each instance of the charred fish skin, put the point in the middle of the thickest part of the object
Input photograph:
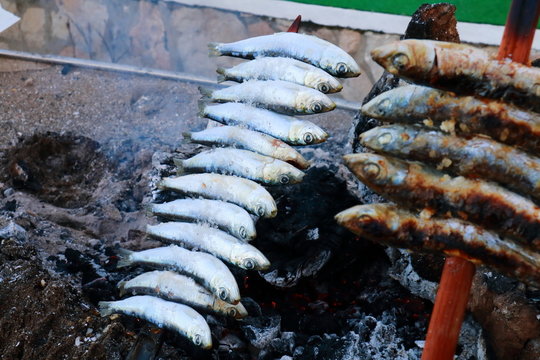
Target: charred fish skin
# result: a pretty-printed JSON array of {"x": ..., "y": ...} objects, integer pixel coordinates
[
  {"x": 245, "y": 139},
  {"x": 415, "y": 185},
  {"x": 211, "y": 272},
  {"x": 385, "y": 223},
  {"x": 232, "y": 218},
  {"x": 177, "y": 317},
  {"x": 213, "y": 241},
  {"x": 243, "y": 163},
  {"x": 175, "y": 287},
  {"x": 475, "y": 157},
  {"x": 281, "y": 68},
  {"x": 242, "y": 192},
  {"x": 306, "y": 48},
  {"x": 287, "y": 128},
  {"x": 280, "y": 96},
  {"x": 462, "y": 114},
  {"x": 461, "y": 68}
]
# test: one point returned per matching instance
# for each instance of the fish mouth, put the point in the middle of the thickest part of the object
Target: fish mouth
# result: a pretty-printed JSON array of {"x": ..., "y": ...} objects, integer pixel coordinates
[{"x": 382, "y": 55}]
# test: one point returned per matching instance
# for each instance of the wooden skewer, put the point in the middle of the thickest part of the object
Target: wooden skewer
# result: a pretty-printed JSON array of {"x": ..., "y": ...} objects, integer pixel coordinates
[
  {"x": 295, "y": 25},
  {"x": 456, "y": 279}
]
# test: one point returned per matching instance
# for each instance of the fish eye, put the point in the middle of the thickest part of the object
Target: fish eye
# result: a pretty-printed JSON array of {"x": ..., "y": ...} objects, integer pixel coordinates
[
  {"x": 261, "y": 211},
  {"x": 197, "y": 339},
  {"x": 308, "y": 138},
  {"x": 284, "y": 179},
  {"x": 341, "y": 68},
  {"x": 385, "y": 138},
  {"x": 223, "y": 294},
  {"x": 364, "y": 218},
  {"x": 323, "y": 87},
  {"x": 400, "y": 61},
  {"x": 232, "y": 312},
  {"x": 249, "y": 264},
  {"x": 371, "y": 170},
  {"x": 383, "y": 106},
  {"x": 316, "y": 107},
  {"x": 242, "y": 231}
]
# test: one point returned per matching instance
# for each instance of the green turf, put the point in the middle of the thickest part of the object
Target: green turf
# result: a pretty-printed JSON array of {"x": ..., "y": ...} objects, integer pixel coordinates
[{"x": 477, "y": 11}]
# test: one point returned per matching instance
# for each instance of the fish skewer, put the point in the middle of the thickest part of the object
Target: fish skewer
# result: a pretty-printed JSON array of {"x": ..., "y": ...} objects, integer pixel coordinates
[
  {"x": 177, "y": 317},
  {"x": 287, "y": 128},
  {"x": 476, "y": 157},
  {"x": 242, "y": 163},
  {"x": 213, "y": 241},
  {"x": 280, "y": 96},
  {"x": 179, "y": 288},
  {"x": 229, "y": 217},
  {"x": 462, "y": 114},
  {"x": 418, "y": 186},
  {"x": 242, "y": 192},
  {"x": 281, "y": 68},
  {"x": 211, "y": 272},
  {"x": 248, "y": 140},
  {"x": 385, "y": 223},
  {"x": 463, "y": 69},
  {"x": 306, "y": 48}
]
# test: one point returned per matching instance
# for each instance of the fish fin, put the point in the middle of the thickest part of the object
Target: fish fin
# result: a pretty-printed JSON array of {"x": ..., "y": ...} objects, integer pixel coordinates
[
  {"x": 121, "y": 288},
  {"x": 213, "y": 49},
  {"x": 202, "y": 107},
  {"x": 222, "y": 76},
  {"x": 179, "y": 166},
  {"x": 124, "y": 255},
  {"x": 206, "y": 93},
  {"x": 148, "y": 210},
  {"x": 187, "y": 137},
  {"x": 105, "y": 308},
  {"x": 295, "y": 25}
]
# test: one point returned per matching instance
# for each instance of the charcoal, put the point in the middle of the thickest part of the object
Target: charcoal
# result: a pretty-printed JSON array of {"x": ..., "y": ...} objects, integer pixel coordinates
[
  {"x": 13, "y": 231},
  {"x": 332, "y": 347},
  {"x": 260, "y": 331}
]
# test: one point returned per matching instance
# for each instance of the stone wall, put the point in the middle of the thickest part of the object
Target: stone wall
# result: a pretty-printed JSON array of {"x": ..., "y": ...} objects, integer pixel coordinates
[{"x": 164, "y": 35}]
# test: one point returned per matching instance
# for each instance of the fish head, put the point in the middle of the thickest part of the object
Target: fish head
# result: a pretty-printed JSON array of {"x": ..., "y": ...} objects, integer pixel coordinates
[
  {"x": 245, "y": 231},
  {"x": 372, "y": 219},
  {"x": 322, "y": 81},
  {"x": 388, "y": 138},
  {"x": 309, "y": 101},
  {"x": 376, "y": 170},
  {"x": 307, "y": 133},
  {"x": 409, "y": 58},
  {"x": 263, "y": 206},
  {"x": 199, "y": 334},
  {"x": 338, "y": 63},
  {"x": 237, "y": 311},
  {"x": 248, "y": 257},
  {"x": 225, "y": 289},
  {"x": 281, "y": 173}
]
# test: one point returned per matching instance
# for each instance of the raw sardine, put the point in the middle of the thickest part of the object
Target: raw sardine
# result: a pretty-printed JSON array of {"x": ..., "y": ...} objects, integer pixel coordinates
[
  {"x": 386, "y": 224},
  {"x": 242, "y": 192},
  {"x": 287, "y": 128},
  {"x": 281, "y": 96},
  {"x": 226, "y": 216},
  {"x": 177, "y": 317},
  {"x": 241, "y": 138},
  {"x": 302, "y": 47},
  {"x": 463, "y": 69},
  {"x": 475, "y": 157},
  {"x": 460, "y": 114},
  {"x": 213, "y": 241},
  {"x": 415, "y": 185},
  {"x": 281, "y": 68},
  {"x": 179, "y": 288},
  {"x": 243, "y": 163},
  {"x": 211, "y": 272}
]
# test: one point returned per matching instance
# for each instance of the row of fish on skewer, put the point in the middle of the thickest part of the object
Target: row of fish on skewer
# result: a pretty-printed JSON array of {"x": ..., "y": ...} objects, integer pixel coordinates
[
  {"x": 253, "y": 145},
  {"x": 462, "y": 147}
]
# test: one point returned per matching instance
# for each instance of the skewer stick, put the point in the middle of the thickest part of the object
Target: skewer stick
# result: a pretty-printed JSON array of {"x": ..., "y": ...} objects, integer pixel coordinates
[
  {"x": 456, "y": 279},
  {"x": 295, "y": 25}
]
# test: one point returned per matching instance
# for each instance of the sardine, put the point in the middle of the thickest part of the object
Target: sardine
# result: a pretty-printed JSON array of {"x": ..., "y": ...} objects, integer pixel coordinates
[
  {"x": 464, "y": 69},
  {"x": 287, "y": 128},
  {"x": 243, "y": 163},
  {"x": 213, "y": 241},
  {"x": 281, "y": 68},
  {"x": 229, "y": 217},
  {"x": 241, "y": 138},
  {"x": 460, "y": 114},
  {"x": 281, "y": 96},
  {"x": 242, "y": 192},
  {"x": 179, "y": 288},
  {"x": 415, "y": 185},
  {"x": 177, "y": 317},
  {"x": 208, "y": 270},
  {"x": 386, "y": 224},
  {"x": 475, "y": 157},
  {"x": 306, "y": 48}
]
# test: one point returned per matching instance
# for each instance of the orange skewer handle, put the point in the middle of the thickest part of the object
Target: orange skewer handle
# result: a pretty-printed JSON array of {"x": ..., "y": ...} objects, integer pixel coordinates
[{"x": 519, "y": 31}]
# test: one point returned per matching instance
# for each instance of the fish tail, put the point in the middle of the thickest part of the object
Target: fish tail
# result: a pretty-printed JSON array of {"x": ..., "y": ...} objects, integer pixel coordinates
[
  {"x": 105, "y": 308},
  {"x": 161, "y": 185},
  {"x": 121, "y": 288},
  {"x": 187, "y": 137},
  {"x": 202, "y": 107},
  {"x": 206, "y": 93},
  {"x": 213, "y": 49},
  {"x": 180, "y": 169},
  {"x": 125, "y": 258},
  {"x": 222, "y": 74},
  {"x": 149, "y": 209}
]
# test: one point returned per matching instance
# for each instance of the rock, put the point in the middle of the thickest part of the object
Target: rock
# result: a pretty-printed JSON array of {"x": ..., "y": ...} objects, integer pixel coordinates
[
  {"x": 59, "y": 25},
  {"x": 285, "y": 344},
  {"x": 349, "y": 40},
  {"x": 259, "y": 28},
  {"x": 260, "y": 331},
  {"x": 12, "y": 230},
  {"x": 9, "y": 192},
  {"x": 33, "y": 27}
]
